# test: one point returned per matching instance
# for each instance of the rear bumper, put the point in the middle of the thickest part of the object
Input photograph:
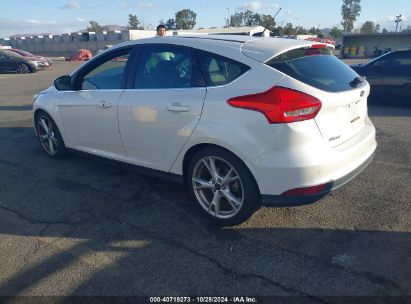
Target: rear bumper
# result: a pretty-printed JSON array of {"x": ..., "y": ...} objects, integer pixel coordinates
[{"x": 289, "y": 201}]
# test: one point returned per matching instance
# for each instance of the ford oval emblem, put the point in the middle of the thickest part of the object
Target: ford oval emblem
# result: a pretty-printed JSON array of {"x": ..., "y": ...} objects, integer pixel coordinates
[{"x": 362, "y": 93}]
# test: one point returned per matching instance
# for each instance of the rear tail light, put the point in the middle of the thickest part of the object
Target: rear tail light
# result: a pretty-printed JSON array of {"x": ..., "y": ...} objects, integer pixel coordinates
[{"x": 280, "y": 105}]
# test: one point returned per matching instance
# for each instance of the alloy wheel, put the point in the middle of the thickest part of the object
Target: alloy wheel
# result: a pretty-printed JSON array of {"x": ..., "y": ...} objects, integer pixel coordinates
[
  {"x": 22, "y": 69},
  {"x": 218, "y": 187},
  {"x": 47, "y": 134}
]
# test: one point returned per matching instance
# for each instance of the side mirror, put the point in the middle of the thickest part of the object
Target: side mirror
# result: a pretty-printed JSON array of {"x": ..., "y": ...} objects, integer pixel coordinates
[{"x": 63, "y": 83}]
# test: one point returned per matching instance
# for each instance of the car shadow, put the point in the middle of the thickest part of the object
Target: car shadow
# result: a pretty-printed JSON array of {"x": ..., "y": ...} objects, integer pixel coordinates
[
  {"x": 85, "y": 228},
  {"x": 386, "y": 111},
  {"x": 16, "y": 108}
]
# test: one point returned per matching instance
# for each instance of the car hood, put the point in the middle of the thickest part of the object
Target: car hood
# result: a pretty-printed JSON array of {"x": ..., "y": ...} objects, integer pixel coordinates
[{"x": 358, "y": 65}]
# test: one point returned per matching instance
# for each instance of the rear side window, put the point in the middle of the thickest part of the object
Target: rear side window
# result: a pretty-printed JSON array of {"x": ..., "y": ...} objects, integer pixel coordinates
[
  {"x": 167, "y": 67},
  {"x": 316, "y": 67},
  {"x": 219, "y": 70}
]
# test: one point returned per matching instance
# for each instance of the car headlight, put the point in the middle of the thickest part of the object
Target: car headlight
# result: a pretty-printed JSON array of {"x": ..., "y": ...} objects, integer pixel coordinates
[{"x": 35, "y": 62}]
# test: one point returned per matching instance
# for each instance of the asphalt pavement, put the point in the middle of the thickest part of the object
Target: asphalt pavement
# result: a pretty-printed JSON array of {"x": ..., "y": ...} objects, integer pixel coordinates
[{"x": 83, "y": 227}]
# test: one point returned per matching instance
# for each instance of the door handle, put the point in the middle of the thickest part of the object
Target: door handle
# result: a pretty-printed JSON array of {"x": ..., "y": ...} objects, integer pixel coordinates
[
  {"x": 177, "y": 107},
  {"x": 104, "y": 104}
]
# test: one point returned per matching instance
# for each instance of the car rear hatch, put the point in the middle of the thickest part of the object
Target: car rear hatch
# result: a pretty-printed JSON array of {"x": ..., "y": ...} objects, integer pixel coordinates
[{"x": 314, "y": 70}]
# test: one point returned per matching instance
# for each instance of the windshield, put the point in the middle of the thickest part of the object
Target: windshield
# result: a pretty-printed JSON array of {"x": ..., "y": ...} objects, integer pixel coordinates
[
  {"x": 317, "y": 67},
  {"x": 12, "y": 54}
]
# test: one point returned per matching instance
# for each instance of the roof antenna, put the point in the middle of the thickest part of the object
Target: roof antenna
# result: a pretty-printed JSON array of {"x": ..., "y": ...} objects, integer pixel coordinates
[{"x": 260, "y": 34}]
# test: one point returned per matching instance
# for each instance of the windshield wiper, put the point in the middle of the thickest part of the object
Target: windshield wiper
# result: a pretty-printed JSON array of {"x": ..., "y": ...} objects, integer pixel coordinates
[{"x": 357, "y": 80}]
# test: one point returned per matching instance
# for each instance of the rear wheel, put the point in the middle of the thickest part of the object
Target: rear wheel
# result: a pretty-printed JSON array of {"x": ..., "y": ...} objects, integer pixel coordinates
[
  {"x": 22, "y": 68},
  {"x": 223, "y": 186},
  {"x": 49, "y": 136}
]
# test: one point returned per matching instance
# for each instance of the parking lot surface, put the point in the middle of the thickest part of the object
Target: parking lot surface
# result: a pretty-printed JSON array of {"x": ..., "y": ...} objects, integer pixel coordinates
[{"x": 83, "y": 227}]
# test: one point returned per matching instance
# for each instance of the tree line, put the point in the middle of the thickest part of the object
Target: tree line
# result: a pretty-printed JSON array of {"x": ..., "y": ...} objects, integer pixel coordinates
[{"x": 186, "y": 20}]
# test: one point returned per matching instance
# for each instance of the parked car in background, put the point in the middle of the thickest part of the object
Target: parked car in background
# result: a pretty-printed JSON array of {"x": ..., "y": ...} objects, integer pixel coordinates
[
  {"x": 13, "y": 62},
  {"x": 80, "y": 55},
  {"x": 242, "y": 121},
  {"x": 390, "y": 78},
  {"x": 105, "y": 48},
  {"x": 47, "y": 61}
]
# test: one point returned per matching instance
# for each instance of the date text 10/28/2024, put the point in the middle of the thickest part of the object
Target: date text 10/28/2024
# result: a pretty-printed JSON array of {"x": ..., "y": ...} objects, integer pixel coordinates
[{"x": 203, "y": 300}]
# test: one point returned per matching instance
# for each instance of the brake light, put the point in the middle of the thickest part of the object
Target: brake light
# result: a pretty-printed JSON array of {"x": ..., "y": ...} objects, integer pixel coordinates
[
  {"x": 280, "y": 105},
  {"x": 318, "y": 46},
  {"x": 315, "y": 49}
]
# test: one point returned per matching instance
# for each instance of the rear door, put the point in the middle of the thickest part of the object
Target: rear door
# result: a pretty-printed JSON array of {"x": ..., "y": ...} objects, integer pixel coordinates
[
  {"x": 343, "y": 94},
  {"x": 158, "y": 114}
]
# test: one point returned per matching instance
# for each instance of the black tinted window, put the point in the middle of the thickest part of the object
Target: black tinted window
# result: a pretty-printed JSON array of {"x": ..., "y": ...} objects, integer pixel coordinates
[
  {"x": 219, "y": 70},
  {"x": 315, "y": 67},
  {"x": 165, "y": 67},
  {"x": 397, "y": 59},
  {"x": 108, "y": 75}
]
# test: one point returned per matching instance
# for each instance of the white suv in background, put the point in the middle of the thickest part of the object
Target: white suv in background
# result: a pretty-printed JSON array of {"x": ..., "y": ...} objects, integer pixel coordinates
[{"x": 243, "y": 121}]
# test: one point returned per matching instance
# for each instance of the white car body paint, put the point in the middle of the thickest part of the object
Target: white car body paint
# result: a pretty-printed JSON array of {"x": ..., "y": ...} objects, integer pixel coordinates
[{"x": 139, "y": 129}]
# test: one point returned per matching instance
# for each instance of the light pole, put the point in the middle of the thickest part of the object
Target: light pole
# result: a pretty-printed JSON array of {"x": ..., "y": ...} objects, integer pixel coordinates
[{"x": 398, "y": 20}]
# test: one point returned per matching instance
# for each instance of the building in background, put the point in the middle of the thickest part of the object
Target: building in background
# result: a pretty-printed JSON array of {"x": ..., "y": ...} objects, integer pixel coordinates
[
  {"x": 372, "y": 45},
  {"x": 65, "y": 44}
]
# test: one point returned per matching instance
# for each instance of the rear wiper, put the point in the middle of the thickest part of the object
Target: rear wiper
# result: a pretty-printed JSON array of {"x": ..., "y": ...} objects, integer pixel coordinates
[{"x": 357, "y": 81}]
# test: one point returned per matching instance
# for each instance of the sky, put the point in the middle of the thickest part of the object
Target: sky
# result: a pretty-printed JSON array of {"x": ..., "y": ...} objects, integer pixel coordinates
[{"x": 65, "y": 16}]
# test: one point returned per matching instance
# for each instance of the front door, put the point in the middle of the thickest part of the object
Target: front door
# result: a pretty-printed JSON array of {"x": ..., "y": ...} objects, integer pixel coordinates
[
  {"x": 397, "y": 77},
  {"x": 7, "y": 64},
  {"x": 89, "y": 114}
]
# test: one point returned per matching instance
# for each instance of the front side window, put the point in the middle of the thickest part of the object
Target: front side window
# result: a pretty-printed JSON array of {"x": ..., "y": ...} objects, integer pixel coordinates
[
  {"x": 219, "y": 70},
  {"x": 165, "y": 67},
  {"x": 109, "y": 75}
]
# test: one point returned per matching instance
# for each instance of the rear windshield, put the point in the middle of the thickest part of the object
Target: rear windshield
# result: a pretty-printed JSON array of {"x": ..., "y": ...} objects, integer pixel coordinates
[{"x": 316, "y": 67}]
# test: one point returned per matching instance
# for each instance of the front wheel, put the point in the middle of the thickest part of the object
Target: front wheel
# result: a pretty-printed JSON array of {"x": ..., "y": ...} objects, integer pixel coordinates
[
  {"x": 49, "y": 136},
  {"x": 223, "y": 187}
]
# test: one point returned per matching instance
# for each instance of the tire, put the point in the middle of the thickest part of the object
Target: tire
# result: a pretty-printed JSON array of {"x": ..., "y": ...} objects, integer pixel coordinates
[
  {"x": 49, "y": 136},
  {"x": 222, "y": 186},
  {"x": 22, "y": 68}
]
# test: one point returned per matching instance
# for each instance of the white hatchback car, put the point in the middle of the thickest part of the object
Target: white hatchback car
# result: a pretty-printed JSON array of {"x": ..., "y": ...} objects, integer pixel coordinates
[{"x": 243, "y": 121}]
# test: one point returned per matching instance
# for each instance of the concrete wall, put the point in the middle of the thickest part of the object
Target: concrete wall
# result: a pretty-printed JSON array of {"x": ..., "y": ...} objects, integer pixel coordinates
[
  {"x": 138, "y": 34},
  {"x": 5, "y": 42},
  {"x": 369, "y": 42},
  {"x": 65, "y": 44}
]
